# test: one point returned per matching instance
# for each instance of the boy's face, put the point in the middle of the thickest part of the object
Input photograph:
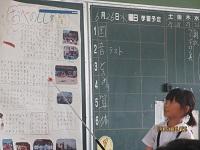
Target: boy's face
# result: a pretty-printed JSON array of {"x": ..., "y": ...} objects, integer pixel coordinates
[{"x": 173, "y": 110}]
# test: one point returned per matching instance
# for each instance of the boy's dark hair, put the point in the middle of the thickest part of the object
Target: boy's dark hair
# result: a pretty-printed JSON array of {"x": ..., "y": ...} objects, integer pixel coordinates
[
  {"x": 181, "y": 144},
  {"x": 184, "y": 98}
]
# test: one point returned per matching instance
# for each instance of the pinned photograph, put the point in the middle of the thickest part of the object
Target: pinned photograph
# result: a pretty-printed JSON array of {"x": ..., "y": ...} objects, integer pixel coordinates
[
  {"x": 22, "y": 146},
  {"x": 70, "y": 37},
  {"x": 42, "y": 144},
  {"x": 66, "y": 74},
  {"x": 64, "y": 98},
  {"x": 66, "y": 144},
  {"x": 7, "y": 144},
  {"x": 70, "y": 52}
]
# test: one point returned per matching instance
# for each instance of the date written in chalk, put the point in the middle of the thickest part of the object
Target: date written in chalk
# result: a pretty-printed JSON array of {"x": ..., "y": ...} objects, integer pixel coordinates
[{"x": 172, "y": 129}]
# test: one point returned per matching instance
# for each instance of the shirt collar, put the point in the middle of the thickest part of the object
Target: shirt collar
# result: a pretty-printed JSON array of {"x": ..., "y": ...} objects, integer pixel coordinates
[{"x": 178, "y": 125}]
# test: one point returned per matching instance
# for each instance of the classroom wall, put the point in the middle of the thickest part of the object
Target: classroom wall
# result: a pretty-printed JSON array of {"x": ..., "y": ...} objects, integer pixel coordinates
[{"x": 146, "y": 119}]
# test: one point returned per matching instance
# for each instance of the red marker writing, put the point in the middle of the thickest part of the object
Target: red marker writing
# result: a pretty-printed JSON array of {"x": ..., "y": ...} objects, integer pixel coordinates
[{"x": 9, "y": 43}]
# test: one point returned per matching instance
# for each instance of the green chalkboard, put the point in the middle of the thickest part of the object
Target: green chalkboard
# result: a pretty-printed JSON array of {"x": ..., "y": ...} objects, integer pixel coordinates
[
  {"x": 171, "y": 3},
  {"x": 134, "y": 52}
]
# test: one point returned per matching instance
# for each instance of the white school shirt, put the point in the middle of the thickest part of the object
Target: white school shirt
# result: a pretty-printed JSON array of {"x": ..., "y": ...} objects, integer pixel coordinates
[{"x": 150, "y": 139}]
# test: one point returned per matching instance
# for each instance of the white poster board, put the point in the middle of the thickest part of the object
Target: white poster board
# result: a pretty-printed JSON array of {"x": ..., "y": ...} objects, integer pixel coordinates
[
  {"x": 159, "y": 112},
  {"x": 38, "y": 42}
]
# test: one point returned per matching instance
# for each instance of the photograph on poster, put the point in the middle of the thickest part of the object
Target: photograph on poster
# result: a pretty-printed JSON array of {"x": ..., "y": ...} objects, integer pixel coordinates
[
  {"x": 22, "y": 146},
  {"x": 64, "y": 98},
  {"x": 7, "y": 144},
  {"x": 66, "y": 144},
  {"x": 42, "y": 144},
  {"x": 66, "y": 74},
  {"x": 70, "y": 52},
  {"x": 70, "y": 37}
]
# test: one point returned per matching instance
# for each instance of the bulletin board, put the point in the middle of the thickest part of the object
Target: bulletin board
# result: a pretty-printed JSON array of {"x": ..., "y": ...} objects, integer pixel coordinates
[{"x": 41, "y": 74}]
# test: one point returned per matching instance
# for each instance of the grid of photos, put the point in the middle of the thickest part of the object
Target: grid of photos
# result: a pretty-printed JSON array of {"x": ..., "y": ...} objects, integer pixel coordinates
[
  {"x": 41, "y": 144},
  {"x": 65, "y": 75},
  {"x": 66, "y": 144},
  {"x": 70, "y": 41}
]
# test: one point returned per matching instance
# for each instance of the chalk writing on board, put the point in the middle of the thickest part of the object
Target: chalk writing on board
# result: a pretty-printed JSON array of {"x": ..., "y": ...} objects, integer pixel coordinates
[
  {"x": 103, "y": 101},
  {"x": 102, "y": 120},
  {"x": 107, "y": 16},
  {"x": 103, "y": 81},
  {"x": 101, "y": 48},
  {"x": 100, "y": 101},
  {"x": 124, "y": 18},
  {"x": 102, "y": 31},
  {"x": 191, "y": 43},
  {"x": 115, "y": 51},
  {"x": 95, "y": 66},
  {"x": 102, "y": 68}
]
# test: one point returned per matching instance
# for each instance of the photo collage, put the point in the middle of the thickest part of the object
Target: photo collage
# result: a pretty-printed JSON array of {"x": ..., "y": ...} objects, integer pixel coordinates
[
  {"x": 40, "y": 76},
  {"x": 67, "y": 75},
  {"x": 40, "y": 144}
]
